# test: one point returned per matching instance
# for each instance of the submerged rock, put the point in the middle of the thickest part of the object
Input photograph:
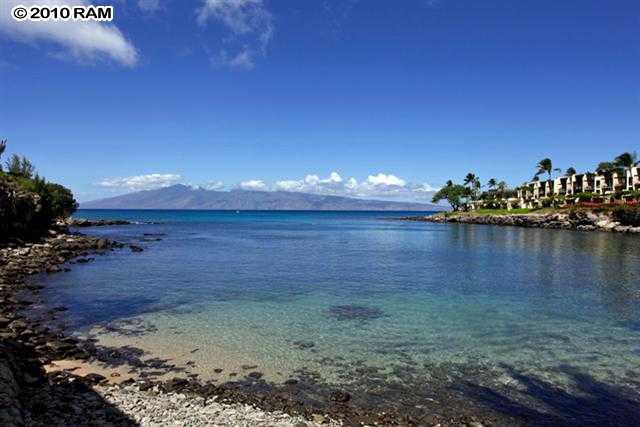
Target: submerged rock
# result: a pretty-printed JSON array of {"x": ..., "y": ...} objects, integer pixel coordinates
[
  {"x": 354, "y": 312},
  {"x": 82, "y": 222},
  {"x": 303, "y": 345}
]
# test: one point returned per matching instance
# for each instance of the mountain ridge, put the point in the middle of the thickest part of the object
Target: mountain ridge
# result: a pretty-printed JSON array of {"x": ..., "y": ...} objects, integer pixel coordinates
[{"x": 181, "y": 196}]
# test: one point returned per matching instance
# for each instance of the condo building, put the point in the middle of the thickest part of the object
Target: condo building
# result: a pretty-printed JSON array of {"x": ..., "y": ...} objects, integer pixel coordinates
[{"x": 604, "y": 184}]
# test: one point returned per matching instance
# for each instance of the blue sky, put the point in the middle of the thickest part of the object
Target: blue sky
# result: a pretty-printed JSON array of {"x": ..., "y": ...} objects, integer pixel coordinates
[{"x": 399, "y": 96}]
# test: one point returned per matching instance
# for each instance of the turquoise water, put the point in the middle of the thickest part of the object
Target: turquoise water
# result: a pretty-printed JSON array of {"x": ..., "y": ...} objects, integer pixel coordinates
[{"x": 364, "y": 301}]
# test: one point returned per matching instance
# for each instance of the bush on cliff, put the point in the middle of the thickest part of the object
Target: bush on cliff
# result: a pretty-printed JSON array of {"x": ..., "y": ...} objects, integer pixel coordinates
[
  {"x": 627, "y": 215},
  {"x": 57, "y": 201},
  {"x": 29, "y": 205}
]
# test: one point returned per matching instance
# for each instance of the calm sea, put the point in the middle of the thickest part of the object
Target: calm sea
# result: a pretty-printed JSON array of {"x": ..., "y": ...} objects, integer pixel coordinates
[{"x": 525, "y": 318}]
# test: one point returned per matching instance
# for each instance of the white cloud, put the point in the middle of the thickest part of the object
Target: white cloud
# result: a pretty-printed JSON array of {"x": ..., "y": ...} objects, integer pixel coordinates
[
  {"x": 381, "y": 185},
  {"x": 213, "y": 185},
  {"x": 250, "y": 24},
  {"x": 84, "y": 40},
  {"x": 242, "y": 60},
  {"x": 254, "y": 184},
  {"x": 141, "y": 182},
  {"x": 383, "y": 179},
  {"x": 149, "y": 5},
  {"x": 289, "y": 185}
]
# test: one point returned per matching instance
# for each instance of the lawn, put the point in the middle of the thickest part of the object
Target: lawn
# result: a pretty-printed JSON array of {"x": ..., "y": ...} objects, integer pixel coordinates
[{"x": 505, "y": 211}]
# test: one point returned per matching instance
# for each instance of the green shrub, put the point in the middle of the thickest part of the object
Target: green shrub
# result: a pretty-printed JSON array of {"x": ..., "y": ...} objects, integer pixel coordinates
[
  {"x": 30, "y": 206},
  {"x": 585, "y": 197},
  {"x": 627, "y": 215},
  {"x": 57, "y": 201},
  {"x": 633, "y": 194}
]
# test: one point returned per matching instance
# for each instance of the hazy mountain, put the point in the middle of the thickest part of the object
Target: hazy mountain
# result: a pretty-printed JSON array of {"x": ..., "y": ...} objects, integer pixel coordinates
[{"x": 185, "y": 197}]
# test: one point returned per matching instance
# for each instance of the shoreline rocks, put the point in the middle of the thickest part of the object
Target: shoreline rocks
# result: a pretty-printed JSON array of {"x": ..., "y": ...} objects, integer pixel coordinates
[
  {"x": 581, "y": 220},
  {"x": 82, "y": 222},
  {"x": 154, "y": 407}
]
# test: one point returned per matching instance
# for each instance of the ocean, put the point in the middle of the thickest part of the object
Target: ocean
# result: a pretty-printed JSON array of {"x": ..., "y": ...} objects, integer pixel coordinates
[{"x": 511, "y": 319}]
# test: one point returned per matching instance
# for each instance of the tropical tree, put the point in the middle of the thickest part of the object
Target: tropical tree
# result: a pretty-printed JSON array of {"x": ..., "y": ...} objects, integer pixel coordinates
[
  {"x": 570, "y": 171},
  {"x": 604, "y": 167},
  {"x": 502, "y": 187},
  {"x": 473, "y": 182},
  {"x": 456, "y": 195},
  {"x": 20, "y": 166},
  {"x": 546, "y": 166},
  {"x": 492, "y": 183},
  {"x": 3, "y": 146},
  {"x": 470, "y": 179},
  {"x": 607, "y": 169},
  {"x": 627, "y": 161}
]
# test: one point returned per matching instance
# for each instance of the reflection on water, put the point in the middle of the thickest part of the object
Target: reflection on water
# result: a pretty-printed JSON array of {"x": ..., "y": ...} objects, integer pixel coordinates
[{"x": 382, "y": 305}]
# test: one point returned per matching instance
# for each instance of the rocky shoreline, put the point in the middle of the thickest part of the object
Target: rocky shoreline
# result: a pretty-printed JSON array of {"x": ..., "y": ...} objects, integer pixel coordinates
[
  {"x": 82, "y": 222},
  {"x": 582, "y": 220}
]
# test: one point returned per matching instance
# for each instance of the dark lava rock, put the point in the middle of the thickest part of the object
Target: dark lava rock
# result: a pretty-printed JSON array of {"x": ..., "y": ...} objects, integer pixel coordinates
[
  {"x": 4, "y": 322},
  {"x": 340, "y": 396},
  {"x": 146, "y": 385},
  {"x": 303, "y": 345},
  {"x": 81, "y": 222},
  {"x": 255, "y": 375},
  {"x": 94, "y": 379},
  {"x": 247, "y": 367},
  {"x": 135, "y": 248},
  {"x": 176, "y": 384},
  {"x": 354, "y": 312}
]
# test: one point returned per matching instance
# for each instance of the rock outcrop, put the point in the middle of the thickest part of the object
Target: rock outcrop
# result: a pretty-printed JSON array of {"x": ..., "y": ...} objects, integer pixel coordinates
[
  {"x": 82, "y": 222},
  {"x": 18, "y": 211},
  {"x": 583, "y": 220}
]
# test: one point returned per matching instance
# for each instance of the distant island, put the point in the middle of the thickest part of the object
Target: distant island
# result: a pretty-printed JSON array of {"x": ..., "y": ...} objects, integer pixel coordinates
[{"x": 185, "y": 197}]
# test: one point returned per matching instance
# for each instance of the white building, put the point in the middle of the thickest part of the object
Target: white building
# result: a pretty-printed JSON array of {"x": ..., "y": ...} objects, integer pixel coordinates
[{"x": 605, "y": 184}]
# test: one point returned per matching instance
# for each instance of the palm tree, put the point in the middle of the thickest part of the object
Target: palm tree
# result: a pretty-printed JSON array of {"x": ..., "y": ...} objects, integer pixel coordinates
[
  {"x": 502, "y": 186},
  {"x": 492, "y": 183},
  {"x": 627, "y": 161},
  {"x": 3, "y": 146},
  {"x": 470, "y": 179},
  {"x": 607, "y": 169},
  {"x": 474, "y": 184},
  {"x": 546, "y": 166},
  {"x": 570, "y": 171},
  {"x": 604, "y": 167}
]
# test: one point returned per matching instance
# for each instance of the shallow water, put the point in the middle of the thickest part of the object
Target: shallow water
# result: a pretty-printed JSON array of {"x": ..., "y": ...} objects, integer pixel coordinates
[{"x": 363, "y": 300}]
